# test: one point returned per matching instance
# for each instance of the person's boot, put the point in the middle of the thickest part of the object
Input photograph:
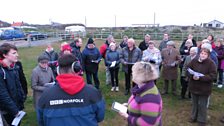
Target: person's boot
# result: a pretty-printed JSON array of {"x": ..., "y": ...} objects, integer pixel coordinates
[{"x": 126, "y": 92}]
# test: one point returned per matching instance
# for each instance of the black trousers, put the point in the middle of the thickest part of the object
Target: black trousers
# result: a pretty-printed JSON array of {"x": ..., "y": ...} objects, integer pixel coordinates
[
  {"x": 114, "y": 75},
  {"x": 184, "y": 87},
  {"x": 95, "y": 78},
  {"x": 128, "y": 78}
]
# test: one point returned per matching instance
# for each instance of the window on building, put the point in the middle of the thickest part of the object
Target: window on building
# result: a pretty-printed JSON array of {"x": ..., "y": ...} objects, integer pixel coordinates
[
  {"x": 218, "y": 25},
  {"x": 209, "y": 25}
]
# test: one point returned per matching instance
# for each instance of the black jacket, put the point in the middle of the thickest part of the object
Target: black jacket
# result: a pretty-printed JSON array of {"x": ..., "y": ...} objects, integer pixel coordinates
[
  {"x": 76, "y": 51},
  {"x": 22, "y": 77},
  {"x": 90, "y": 55},
  {"x": 143, "y": 46},
  {"x": 11, "y": 93}
]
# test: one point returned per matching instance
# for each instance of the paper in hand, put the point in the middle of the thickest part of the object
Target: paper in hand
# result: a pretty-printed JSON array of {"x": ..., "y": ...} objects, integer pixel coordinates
[
  {"x": 113, "y": 64},
  {"x": 119, "y": 107},
  {"x": 18, "y": 118},
  {"x": 192, "y": 72}
]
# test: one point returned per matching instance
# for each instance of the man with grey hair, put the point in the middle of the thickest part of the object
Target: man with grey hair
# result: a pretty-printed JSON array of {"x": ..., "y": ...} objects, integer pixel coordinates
[
  {"x": 144, "y": 44},
  {"x": 184, "y": 79},
  {"x": 103, "y": 50},
  {"x": 128, "y": 57},
  {"x": 170, "y": 61}
]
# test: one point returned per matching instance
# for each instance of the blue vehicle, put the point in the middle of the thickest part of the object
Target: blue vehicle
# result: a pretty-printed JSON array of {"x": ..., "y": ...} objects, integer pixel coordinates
[{"x": 11, "y": 33}]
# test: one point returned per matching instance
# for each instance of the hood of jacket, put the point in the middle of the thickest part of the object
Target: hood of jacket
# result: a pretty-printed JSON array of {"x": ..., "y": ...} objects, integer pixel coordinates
[{"x": 71, "y": 84}]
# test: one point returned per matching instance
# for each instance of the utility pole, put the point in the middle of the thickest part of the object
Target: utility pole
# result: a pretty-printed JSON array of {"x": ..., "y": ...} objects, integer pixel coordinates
[
  {"x": 115, "y": 19},
  {"x": 154, "y": 19},
  {"x": 85, "y": 21}
]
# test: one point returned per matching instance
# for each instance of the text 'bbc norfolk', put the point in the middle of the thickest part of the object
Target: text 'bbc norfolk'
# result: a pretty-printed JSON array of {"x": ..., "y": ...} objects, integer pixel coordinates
[{"x": 68, "y": 101}]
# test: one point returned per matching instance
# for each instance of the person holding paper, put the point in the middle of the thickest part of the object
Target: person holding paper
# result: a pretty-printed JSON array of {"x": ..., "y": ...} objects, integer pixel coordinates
[
  {"x": 128, "y": 57},
  {"x": 91, "y": 59},
  {"x": 145, "y": 103},
  {"x": 70, "y": 102},
  {"x": 41, "y": 75},
  {"x": 113, "y": 61},
  {"x": 170, "y": 61},
  {"x": 201, "y": 86},
  {"x": 184, "y": 78},
  {"x": 12, "y": 96},
  {"x": 152, "y": 55}
]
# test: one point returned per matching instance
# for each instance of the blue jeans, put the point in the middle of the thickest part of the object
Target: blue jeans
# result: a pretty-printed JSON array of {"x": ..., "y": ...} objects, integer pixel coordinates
[{"x": 95, "y": 78}]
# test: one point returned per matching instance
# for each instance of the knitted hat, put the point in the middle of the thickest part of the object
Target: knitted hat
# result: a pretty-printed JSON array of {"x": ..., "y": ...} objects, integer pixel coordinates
[
  {"x": 90, "y": 41},
  {"x": 42, "y": 58},
  {"x": 66, "y": 47},
  {"x": 144, "y": 72}
]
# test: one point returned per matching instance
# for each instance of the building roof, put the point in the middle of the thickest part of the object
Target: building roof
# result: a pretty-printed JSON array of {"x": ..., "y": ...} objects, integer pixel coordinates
[
  {"x": 216, "y": 21},
  {"x": 17, "y": 24}
]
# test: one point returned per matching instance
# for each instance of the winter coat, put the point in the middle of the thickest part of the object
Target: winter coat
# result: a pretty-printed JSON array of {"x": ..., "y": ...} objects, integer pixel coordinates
[
  {"x": 22, "y": 77},
  {"x": 169, "y": 57},
  {"x": 163, "y": 45},
  {"x": 71, "y": 102},
  {"x": 104, "y": 48},
  {"x": 39, "y": 79},
  {"x": 12, "y": 96},
  {"x": 76, "y": 51},
  {"x": 186, "y": 62},
  {"x": 220, "y": 53},
  {"x": 143, "y": 45},
  {"x": 184, "y": 55},
  {"x": 153, "y": 56},
  {"x": 213, "y": 56},
  {"x": 123, "y": 44},
  {"x": 89, "y": 55},
  {"x": 183, "y": 44},
  {"x": 203, "y": 86},
  {"x": 145, "y": 106},
  {"x": 112, "y": 56},
  {"x": 130, "y": 57}
]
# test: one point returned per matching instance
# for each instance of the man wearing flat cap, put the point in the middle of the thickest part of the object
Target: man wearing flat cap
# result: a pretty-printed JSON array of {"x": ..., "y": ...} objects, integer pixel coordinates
[
  {"x": 170, "y": 61},
  {"x": 41, "y": 76}
]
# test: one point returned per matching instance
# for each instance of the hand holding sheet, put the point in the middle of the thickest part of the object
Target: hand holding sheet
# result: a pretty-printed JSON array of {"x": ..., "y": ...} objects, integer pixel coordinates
[
  {"x": 113, "y": 64},
  {"x": 192, "y": 72},
  {"x": 18, "y": 118}
]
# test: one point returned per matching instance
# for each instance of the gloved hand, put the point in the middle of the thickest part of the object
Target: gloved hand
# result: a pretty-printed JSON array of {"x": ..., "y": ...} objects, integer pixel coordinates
[{"x": 152, "y": 61}]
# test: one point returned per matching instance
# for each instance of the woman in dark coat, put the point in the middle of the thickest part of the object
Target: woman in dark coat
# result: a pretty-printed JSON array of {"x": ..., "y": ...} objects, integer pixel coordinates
[
  {"x": 200, "y": 85},
  {"x": 219, "y": 49}
]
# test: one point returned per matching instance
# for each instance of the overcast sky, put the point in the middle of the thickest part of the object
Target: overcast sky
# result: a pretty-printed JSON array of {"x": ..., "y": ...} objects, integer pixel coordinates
[{"x": 103, "y": 12}]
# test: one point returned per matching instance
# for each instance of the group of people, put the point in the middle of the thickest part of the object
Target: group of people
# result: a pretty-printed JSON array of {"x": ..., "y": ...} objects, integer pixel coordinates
[{"x": 59, "y": 90}]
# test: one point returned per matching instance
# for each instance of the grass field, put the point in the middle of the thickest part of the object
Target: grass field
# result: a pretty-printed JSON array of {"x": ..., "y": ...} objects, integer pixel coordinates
[{"x": 175, "y": 112}]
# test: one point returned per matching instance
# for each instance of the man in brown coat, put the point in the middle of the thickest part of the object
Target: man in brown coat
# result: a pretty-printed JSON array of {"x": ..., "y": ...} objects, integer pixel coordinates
[{"x": 170, "y": 61}]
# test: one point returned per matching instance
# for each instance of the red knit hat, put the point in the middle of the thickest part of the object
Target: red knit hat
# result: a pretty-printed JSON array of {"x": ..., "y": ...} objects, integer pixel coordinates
[{"x": 66, "y": 47}]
